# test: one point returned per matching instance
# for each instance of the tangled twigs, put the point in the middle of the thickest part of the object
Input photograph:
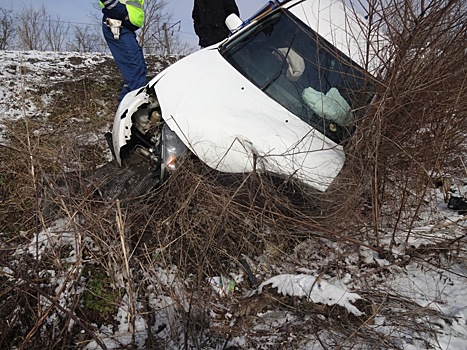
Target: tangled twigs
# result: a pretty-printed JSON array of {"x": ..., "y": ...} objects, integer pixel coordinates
[{"x": 90, "y": 330}]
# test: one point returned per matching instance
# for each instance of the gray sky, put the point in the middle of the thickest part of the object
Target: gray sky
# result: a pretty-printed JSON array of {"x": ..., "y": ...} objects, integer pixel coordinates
[{"x": 83, "y": 11}]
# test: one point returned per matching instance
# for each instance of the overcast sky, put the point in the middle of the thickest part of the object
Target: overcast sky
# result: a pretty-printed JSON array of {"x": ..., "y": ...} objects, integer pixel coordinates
[{"x": 82, "y": 11}]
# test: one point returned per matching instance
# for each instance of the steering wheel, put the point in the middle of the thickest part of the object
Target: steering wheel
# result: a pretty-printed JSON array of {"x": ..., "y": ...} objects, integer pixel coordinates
[{"x": 278, "y": 54}]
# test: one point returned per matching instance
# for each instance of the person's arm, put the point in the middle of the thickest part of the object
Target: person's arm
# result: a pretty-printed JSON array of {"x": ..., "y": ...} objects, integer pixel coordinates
[
  {"x": 195, "y": 16},
  {"x": 116, "y": 10}
]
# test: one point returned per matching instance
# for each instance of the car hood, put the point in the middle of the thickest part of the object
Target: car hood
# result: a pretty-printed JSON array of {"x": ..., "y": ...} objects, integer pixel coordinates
[{"x": 234, "y": 127}]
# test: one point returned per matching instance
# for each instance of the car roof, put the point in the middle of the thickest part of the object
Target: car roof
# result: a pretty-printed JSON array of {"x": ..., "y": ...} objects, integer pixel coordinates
[{"x": 340, "y": 25}]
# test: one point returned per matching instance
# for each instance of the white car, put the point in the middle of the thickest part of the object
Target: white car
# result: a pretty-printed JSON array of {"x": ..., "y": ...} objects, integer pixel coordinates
[{"x": 277, "y": 96}]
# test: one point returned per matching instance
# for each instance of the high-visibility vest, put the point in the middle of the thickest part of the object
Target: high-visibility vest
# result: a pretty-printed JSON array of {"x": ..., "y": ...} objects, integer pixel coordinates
[{"x": 134, "y": 8}]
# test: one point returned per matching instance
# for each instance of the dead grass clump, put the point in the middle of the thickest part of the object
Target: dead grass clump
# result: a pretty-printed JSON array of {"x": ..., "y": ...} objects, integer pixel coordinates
[
  {"x": 84, "y": 98},
  {"x": 17, "y": 190},
  {"x": 201, "y": 219},
  {"x": 35, "y": 149}
]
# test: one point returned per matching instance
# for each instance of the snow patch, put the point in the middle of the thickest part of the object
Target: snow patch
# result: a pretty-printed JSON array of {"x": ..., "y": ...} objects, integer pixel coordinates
[{"x": 315, "y": 290}]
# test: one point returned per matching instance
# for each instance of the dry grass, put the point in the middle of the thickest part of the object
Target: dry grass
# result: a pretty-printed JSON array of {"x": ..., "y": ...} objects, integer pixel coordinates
[{"x": 198, "y": 225}]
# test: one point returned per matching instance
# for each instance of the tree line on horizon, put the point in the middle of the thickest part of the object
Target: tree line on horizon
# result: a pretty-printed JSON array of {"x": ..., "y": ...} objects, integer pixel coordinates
[{"x": 36, "y": 29}]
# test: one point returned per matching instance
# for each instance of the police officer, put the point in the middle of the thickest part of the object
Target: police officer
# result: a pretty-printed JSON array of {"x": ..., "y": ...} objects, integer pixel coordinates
[
  {"x": 121, "y": 18},
  {"x": 209, "y": 20}
]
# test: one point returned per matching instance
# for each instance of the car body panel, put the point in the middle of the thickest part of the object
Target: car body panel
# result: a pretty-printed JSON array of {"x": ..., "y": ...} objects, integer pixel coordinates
[
  {"x": 336, "y": 23},
  {"x": 232, "y": 126}
]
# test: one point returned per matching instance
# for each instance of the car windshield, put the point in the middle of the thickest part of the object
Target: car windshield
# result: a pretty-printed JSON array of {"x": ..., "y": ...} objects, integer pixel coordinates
[{"x": 301, "y": 71}]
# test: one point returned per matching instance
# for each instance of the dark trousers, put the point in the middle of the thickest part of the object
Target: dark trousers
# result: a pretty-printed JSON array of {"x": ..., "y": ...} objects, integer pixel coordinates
[{"x": 129, "y": 58}]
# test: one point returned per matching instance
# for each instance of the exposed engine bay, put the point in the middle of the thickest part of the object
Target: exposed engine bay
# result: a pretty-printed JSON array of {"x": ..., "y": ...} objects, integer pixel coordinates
[{"x": 150, "y": 140}]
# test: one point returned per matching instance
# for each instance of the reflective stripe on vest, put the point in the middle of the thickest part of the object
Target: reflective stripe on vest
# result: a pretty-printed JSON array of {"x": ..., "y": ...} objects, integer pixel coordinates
[
  {"x": 136, "y": 4},
  {"x": 110, "y": 4}
]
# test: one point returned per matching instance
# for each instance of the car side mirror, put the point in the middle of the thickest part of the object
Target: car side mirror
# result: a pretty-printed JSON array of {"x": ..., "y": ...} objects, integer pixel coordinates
[{"x": 233, "y": 22}]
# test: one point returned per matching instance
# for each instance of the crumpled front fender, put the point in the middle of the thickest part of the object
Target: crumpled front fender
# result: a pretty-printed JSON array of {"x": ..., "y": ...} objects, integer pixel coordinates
[{"x": 121, "y": 131}]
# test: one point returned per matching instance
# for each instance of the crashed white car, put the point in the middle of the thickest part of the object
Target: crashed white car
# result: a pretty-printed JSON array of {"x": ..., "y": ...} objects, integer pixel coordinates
[{"x": 277, "y": 96}]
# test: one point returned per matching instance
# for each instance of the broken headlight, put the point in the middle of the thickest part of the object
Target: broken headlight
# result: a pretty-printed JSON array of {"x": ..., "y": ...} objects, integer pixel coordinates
[{"x": 172, "y": 150}]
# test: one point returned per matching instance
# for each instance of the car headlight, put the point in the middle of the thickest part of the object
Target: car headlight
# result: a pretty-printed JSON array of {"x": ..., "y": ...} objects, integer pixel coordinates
[{"x": 172, "y": 150}]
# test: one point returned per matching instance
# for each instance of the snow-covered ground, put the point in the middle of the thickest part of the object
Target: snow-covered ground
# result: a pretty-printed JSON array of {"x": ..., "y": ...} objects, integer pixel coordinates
[
  {"x": 23, "y": 72},
  {"x": 439, "y": 286}
]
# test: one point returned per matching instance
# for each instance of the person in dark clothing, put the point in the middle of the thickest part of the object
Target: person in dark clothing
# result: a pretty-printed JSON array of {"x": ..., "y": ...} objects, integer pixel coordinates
[{"x": 209, "y": 20}]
